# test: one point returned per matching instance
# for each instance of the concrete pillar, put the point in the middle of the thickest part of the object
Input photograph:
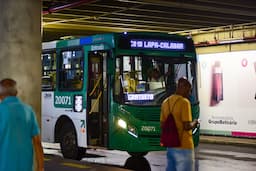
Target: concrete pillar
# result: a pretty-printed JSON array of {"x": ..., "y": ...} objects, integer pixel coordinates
[{"x": 20, "y": 48}]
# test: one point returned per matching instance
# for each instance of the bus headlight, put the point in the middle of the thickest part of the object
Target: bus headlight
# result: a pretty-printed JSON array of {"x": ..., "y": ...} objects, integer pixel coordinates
[
  {"x": 78, "y": 103},
  {"x": 122, "y": 123},
  {"x": 132, "y": 131}
]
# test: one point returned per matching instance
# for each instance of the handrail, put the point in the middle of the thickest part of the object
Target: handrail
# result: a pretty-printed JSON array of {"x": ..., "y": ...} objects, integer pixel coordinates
[
  {"x": 98, "y": 98},
  {"x": 94, "y": 104},
  {"x": 96, "y": 85}
]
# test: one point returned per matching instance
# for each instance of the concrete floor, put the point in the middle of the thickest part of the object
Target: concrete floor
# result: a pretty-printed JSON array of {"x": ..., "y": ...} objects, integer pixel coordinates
[{"x": 209, "y": 157}]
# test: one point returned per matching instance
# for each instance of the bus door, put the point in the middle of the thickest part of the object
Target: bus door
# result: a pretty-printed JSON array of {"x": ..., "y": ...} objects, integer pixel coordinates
[{"x": 97, "y": 99}]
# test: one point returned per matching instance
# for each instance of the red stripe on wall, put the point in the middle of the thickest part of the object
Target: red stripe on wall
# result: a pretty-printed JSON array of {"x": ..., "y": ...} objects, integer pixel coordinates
[{"x": 244, "y": 134}]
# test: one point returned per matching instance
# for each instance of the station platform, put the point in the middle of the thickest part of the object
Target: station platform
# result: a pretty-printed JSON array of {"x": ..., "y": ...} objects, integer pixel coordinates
[{"x": 240, "y": 141}]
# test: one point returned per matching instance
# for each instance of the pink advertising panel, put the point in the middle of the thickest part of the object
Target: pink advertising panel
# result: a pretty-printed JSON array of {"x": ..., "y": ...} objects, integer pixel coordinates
[{"x": 227, "y": 93}]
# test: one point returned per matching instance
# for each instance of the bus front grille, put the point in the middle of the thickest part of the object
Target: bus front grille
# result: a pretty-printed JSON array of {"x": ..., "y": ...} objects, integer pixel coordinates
[
  {"x": 152, "y": 114},
  {"x": 153, "y": 141}
]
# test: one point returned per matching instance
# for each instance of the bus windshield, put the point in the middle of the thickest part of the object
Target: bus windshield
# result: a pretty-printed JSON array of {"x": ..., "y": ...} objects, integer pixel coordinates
[{"x": 147, "y": 80}]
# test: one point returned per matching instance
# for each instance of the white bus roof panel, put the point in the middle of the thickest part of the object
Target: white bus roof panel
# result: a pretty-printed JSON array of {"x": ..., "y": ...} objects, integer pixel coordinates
[{"x": 49, "y": 45}]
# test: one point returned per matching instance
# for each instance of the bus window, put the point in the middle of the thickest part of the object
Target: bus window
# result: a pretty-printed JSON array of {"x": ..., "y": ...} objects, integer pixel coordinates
[
  {"x": 71, "y": 70},
  {"x": 48, "y": 71},
  {"x": 149, "y": 80}
]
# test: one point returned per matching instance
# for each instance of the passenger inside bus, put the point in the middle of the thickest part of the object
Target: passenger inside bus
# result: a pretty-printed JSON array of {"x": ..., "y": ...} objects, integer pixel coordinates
[
  {"x": 155, "y": 75},
  {"x": 77, "y": 81},
  {"x": 130, "y": 82},
  {"x": 170, "y": 79},
  {"x": 155, "y": 79}
]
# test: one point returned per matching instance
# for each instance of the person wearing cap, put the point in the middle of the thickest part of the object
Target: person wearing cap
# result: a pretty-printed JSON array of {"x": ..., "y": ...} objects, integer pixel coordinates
[
  {"x": 180, "y": 158},
  {"x": 19, "y": 132}
]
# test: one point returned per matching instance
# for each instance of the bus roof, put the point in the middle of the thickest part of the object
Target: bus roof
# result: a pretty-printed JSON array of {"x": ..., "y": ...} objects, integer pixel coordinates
[
  {"x": 153, "y": 41},
  {"x": 99, "y": 38}
]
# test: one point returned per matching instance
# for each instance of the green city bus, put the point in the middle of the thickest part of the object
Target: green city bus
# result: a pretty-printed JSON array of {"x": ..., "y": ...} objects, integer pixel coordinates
[{"x": 106, "y": 90}]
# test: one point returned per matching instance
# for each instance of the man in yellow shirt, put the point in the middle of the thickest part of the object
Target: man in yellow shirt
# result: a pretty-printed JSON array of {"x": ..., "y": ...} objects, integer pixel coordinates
[{"x": 180, "y": 158}]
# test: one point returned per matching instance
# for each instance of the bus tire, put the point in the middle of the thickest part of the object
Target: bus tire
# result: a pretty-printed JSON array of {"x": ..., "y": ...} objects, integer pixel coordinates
[
  {"x": 68, "y": 144},
  {"x": 138, "y": 154}
]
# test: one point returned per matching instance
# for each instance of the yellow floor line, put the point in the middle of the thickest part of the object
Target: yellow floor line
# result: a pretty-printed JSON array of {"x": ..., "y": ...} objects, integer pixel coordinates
[
  {"x": 76, "y": 165},
  {"x": 46, "y": 159}
]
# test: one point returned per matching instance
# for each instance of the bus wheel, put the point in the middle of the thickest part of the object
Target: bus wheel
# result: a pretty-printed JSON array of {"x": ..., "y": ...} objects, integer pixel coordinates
[
  {"x": 138, "y": 154},
  {"x": 68, "y": 144}
]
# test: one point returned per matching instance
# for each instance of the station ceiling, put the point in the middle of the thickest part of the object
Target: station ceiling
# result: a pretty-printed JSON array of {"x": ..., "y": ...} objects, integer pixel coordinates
[{"x": 86, "y": 17}]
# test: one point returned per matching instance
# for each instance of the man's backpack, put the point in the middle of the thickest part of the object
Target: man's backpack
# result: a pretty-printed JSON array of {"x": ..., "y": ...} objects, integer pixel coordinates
[{"x": 169, "y": 132}]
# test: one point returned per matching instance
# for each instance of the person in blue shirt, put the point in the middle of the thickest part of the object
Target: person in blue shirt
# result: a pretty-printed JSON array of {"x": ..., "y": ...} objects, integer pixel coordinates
[{"x": 19, "y": 132}]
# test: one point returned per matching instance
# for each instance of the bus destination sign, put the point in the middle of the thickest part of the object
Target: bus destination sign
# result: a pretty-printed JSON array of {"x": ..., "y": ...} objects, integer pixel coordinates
[{"x": 156, "y": 44}]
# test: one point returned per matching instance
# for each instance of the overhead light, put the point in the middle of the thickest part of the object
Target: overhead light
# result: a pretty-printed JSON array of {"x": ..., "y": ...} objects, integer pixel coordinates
[
  {"x": 67, "y": 37},
  {"x": 230, "y": 41}
]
